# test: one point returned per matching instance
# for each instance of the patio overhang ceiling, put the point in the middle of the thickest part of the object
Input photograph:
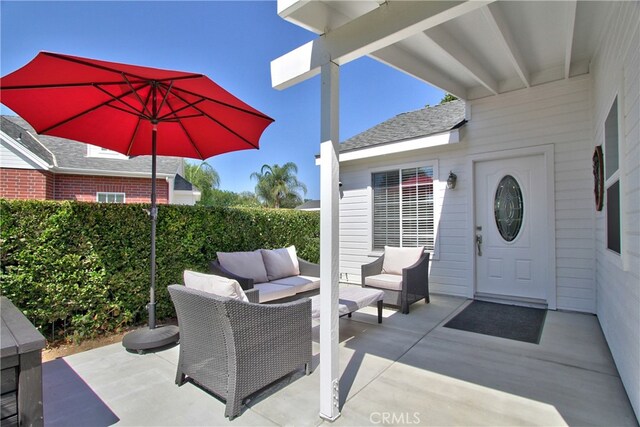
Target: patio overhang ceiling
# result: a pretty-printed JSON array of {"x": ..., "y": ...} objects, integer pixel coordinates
[{"x": 472, "y": 49}]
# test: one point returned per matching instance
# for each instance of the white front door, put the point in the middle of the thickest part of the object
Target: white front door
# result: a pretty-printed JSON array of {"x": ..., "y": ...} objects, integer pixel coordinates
[{"x": 511, "y": 229}]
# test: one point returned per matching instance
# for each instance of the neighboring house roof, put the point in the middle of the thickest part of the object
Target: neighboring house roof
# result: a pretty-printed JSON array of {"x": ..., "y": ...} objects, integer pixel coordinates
[
  {"x": 414, "y": 124},
  {"x": 181, "y": 184},
  {"x": 69, "y": 155},
  {"x": 22, "y": 137},
  {"x": 309, "y": 205}
]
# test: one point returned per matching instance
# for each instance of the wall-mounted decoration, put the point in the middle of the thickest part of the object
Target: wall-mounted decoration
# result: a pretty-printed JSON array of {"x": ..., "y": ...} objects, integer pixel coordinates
[{"x": 598, "y": 177}]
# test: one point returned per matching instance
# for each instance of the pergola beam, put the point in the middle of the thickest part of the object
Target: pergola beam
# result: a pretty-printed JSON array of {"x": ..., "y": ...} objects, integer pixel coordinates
[
  {"x": 499, "y": 26},
  {"x": 459, "y": 54},
  {"x": 392, "y": 56},
  {"x": 382, "y": 27},
  {"x": 570, "y": 25}
]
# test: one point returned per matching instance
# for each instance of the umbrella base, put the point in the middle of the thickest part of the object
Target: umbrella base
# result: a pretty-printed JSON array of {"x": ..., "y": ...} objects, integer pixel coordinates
[{"x": 149, "y": 339}]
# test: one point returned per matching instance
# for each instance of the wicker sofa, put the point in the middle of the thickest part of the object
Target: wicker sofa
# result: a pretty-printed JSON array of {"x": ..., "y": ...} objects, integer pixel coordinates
[
  {"x": 403, "y": 275},
  {"x": 278, "y": 275},
  {"x": 234, "y": 348}
]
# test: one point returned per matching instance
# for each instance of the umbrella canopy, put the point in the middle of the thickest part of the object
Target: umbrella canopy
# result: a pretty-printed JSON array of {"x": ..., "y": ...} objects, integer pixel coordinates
[
  {"x": 135, "y": 111},
  {"x": 115, "y": 106}
]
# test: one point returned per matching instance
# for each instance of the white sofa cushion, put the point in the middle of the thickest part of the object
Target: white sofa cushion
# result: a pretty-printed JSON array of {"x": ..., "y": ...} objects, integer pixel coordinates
[
  {"x": 384, "y": 281},
  {"x": 395, "y": 259},
  {"x": 270, "y": 291},
  {"x": 300, "y": 283},
  {"x": 244, "y": 264},
  {"x": 213, "y": 284},
  {"x": 281, "y": 263}
]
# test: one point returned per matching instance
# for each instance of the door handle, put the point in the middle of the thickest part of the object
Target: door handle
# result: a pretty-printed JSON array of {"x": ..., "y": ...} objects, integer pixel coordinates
[{"x": 479, "y": 244}]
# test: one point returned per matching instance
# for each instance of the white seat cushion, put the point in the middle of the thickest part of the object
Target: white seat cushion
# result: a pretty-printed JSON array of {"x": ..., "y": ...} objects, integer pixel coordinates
[
  {"x": 244, "y": 264},
  {"x": 395, "y": 259},
  {"x": 270, "y": 291},
  {"x": 300, "y": 283},
  {"x": 384, "y": 281},
  {"x": 213, "y": 284},
  {"x": 350, "y": 299},
  {"x": 280, "y": 263}
]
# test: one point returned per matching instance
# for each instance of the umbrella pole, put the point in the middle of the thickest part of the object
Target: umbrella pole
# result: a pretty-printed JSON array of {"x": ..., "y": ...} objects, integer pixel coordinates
[
  {"x": 154, "y": 215},
  {"x": 145, "y": 339}
]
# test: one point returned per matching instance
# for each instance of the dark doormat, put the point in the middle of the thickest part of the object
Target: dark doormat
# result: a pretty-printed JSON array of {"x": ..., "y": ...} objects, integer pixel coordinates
[
  {"x": 500, "y": 320},
  {"x": 68, "y": 401}
]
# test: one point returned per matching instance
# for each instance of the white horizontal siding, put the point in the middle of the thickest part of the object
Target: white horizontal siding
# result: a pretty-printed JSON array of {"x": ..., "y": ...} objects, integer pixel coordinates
[
  {"x": 616, "y": 72},
  {"x": 558, "y": 114},
  {"x": 11, "y": 159}
]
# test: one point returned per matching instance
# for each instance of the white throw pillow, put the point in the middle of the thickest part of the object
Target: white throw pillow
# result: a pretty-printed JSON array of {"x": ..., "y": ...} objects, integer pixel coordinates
[
  {"x": 281, "y": 263},
  {"x": 213, "y": 284},
  {"x": 244, "y": 264},
  {"x": 395, "y": 259}
]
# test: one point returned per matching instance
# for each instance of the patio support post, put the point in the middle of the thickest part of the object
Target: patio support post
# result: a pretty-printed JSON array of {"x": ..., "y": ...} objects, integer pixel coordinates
[{"x": 329, "y": 247}]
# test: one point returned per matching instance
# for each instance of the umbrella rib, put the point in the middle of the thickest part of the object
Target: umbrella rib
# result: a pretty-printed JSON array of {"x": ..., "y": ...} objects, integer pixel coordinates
[
  {"x": 254, "y": 113},
  {"x": 135, "y": 92},
  {"x": 63, "y": 85},
  {"x": 113, "y": 70},
  {"x": 175, "y": 112},
  {"x": 186, "y": 132},
  {"x": 133, "y": 110},
  {"x": 82, "y": 113},
  {"x": 133, "y": 136},
  {"x": 220, "y": 123},
  {"x": 164, "y": 100}
]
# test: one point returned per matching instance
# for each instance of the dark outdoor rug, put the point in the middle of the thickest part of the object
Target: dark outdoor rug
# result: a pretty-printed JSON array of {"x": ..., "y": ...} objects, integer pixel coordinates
[
  {"x": 68, "y": 401},
  {"x": 500, "y": 320}
]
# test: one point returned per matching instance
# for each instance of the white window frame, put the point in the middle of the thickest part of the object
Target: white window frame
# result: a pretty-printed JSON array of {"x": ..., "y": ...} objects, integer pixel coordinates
[
  {"x": 104, "y": 153},
  {"x": 110, "y": 193},
  {"x": 438, "y": 190},
  {"x": 615, "y": 177}
]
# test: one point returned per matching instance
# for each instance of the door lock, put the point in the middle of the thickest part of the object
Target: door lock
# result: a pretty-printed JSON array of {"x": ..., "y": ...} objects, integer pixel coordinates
[{"x": 479, "y": 244}]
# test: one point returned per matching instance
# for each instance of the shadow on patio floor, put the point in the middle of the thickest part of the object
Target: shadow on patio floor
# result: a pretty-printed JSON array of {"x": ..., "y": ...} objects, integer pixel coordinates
[{"x": 68, "y": 401}]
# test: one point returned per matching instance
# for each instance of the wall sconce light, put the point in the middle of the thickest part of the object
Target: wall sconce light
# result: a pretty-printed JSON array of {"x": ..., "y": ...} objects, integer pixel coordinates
[{"x": 451, "y": 181}]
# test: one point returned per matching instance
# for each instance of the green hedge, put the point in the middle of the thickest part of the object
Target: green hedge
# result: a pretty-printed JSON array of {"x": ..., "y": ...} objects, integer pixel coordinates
[{"x": 78, "y": 270}]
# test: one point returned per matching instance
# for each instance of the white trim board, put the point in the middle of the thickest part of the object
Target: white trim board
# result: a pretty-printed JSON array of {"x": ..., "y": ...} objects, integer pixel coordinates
[{"x": 444, "y": 138}]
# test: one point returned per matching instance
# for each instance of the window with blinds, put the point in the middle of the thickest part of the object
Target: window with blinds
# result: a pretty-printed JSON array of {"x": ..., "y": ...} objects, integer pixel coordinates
[{"x": 403, "y": 210}]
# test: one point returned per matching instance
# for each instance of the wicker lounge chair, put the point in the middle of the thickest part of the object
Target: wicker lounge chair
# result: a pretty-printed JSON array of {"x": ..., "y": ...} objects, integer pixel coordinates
[
  {"x": 402, "y": 287},
  {"x": 233, "y": 348}
]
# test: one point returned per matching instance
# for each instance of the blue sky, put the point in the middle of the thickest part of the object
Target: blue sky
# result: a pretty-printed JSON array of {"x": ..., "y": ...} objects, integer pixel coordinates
[{"x": 231, "y": 42}]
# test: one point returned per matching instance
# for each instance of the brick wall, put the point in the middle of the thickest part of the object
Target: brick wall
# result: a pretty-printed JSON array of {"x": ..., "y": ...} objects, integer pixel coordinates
[
  {"x": 83, "y": 188},
  {"x": 41, "y": 185},
  {"x": 26, "y": 184}
]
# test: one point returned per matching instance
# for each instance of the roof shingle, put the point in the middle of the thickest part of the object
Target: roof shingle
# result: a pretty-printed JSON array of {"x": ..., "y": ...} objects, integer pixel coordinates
[
  {"x": 71, "y": 154},
  {"x": 410, "y": 125}
]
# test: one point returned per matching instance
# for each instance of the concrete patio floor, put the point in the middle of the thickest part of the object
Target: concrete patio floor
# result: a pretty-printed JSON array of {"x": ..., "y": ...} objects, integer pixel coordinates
[{"x": 409, "y": 370}]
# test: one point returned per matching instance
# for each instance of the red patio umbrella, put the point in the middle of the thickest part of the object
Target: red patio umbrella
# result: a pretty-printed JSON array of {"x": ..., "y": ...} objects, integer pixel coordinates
[{"x": 135, "y": 111}]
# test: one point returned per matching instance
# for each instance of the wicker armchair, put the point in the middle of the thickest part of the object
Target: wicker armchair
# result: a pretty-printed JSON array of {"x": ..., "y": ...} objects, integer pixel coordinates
[
  {"x": 399, "y": 291},
  {"x": 233, "y": 348}
]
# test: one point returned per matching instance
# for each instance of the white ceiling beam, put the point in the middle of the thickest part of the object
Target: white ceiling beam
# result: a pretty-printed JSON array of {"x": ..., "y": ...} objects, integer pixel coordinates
[
  {"x": 570, "y": 25},
  {"x": 409, "y": 64},
  {"x": 499, "y": 26},
  {"x": 459, "y": 54},
  {"x": 288, "y": 7},
  {"x": 384, "y": 26}
]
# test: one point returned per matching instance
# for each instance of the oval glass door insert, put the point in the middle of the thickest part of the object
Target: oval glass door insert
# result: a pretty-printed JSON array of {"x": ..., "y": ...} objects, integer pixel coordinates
[{"x": 508, "y": 208}]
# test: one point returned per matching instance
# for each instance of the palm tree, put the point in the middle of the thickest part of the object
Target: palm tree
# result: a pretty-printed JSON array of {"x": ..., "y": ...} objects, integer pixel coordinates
[
  {"x": 277, "y": 184},
  {"x": 205, "y": 177}
]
